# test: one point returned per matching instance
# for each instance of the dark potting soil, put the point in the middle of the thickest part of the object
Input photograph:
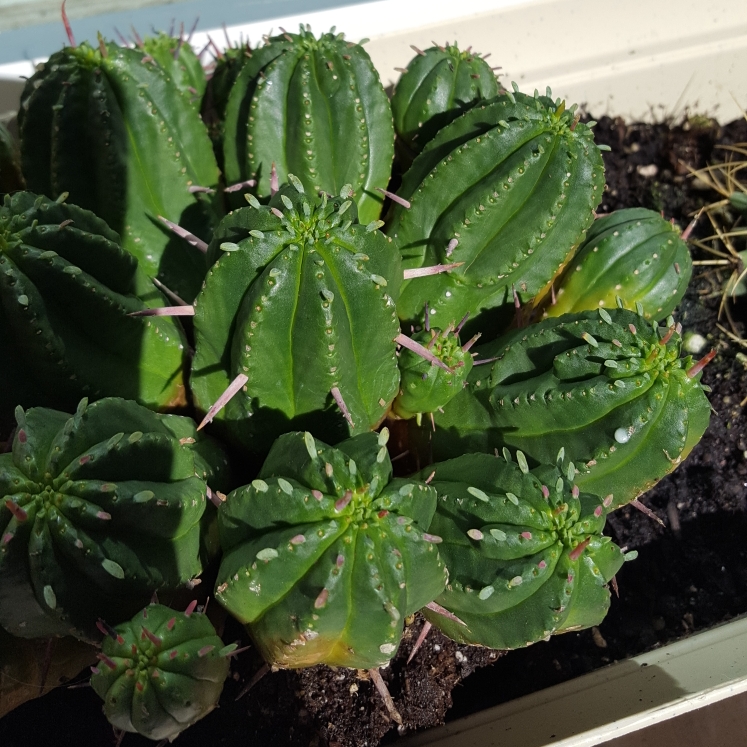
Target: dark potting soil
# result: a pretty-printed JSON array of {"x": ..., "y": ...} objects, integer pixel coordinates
[{"x": 691, "y": 573}]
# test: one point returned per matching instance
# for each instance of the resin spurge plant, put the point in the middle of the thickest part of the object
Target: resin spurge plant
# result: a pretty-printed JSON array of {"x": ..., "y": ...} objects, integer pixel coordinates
[
  {"x": 296, "y": 308},
  {"x": 631, "y": 254},
  {"x": 314, "y": 108},
  {"x": 297, "y": 317},
  {"x": 432, "y": 371},
  {"x": 97, "y": 511},
  {"x": 524, "y": 549},
  {"x": 67, "y": 293},
  {"x": 161, "y": 672},
  {"x": 608, "y": 387},
  {"x": 325, "y": 553},
  {"x": 111, "y": 128},
  {"x": 438, "y": 85},
  {"x": 176, "y": 56},
  {"x": 508, "y": 189}
]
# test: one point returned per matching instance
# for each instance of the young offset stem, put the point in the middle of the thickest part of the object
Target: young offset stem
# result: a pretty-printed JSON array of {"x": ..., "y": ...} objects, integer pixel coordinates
[{"x": 421, "y": 350}]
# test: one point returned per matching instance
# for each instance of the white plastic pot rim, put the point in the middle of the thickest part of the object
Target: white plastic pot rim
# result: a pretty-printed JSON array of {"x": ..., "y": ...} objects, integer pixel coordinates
[{"x": 611, "y": 702}]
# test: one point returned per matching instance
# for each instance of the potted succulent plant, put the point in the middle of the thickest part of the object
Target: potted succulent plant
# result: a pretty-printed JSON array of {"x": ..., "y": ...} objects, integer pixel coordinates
[{"x": 315, "y": 321}]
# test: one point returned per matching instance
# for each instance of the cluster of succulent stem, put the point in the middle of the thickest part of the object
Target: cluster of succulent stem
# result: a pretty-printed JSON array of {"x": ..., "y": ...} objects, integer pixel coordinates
[{"x": 298, "y": 324}]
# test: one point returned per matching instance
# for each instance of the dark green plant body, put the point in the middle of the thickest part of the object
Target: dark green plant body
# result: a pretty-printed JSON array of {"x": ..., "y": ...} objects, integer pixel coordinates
[
  {"x": 315, "y": 108},
  {"x": 438, "y": 85},
  {"x": 11, "y": 178},
  {"x": 161, "y": 672},
  {"x": 606, "y": 386},
  {"x": 301, "y": 302},
  {"x": 325, "y": 554},
  {"x": 424, "y": 386},
  {"x": 508, "y": 189},
  {"x": 66, "y": 289},
  {"x": 224, "y": 75},
  {"x": 117, "y": 134},
  {"x": 632, "y": 254},
  {"x": 181, "y": 64},
  {"x": 525, "y": 552},
  {"x": 97, "y": 511}
]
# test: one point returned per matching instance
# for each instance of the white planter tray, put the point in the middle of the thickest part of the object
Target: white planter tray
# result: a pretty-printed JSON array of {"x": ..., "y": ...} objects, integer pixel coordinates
[{"x": 611, "y": 702}]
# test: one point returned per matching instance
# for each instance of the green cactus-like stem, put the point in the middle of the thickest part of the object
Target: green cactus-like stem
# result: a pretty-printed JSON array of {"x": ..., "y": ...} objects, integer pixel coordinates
[
  {"x": 67, "y": 289},
  {"x": 112, "y": 129},
  {"x": 11, "y": 178},
  {"x": 176, "y": 56},
  {"x": 607, "y": 386},
  {"x": 508, "y": 189},
  {"x": 325, "y": 554},
  {"x": 424, "y": 385},
  {"x": 219, "y": 85},
  {"x": 97, "y": 511},
  {"x": 631, "y": 254},
  {"x": 161, "y": 672},
  {"x": 438, "y": 85},
  {"x": 314, "y": 108},
  {"x": 300, "y": 301},
  {"x": 524, "y": 549}
]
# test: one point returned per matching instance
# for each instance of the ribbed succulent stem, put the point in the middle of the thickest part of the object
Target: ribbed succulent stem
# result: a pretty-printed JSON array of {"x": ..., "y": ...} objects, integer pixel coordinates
[
  {"x": 480, "y": 194},
  {"x": 634, "y": 255},
  {"x": 313, "y": 107},
  {"x": 300, "y": 302},
  {"x": 525, "y": 551},
  {"x": 111, "y": 128},
  {"x": 109, "y": 504},
  {"x": 163, "y": 672},
  {"x": 325, "y": 540},
  {"x": 608, "y": 386},
  {"x": 437, "y": 86},
  {"x": 70, "y": 294}
]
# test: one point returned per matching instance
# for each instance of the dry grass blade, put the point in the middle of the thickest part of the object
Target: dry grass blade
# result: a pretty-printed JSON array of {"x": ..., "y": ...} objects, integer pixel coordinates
[
  {"x": 728, "y": 236},
  {"x": 734, "y": 338}
]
